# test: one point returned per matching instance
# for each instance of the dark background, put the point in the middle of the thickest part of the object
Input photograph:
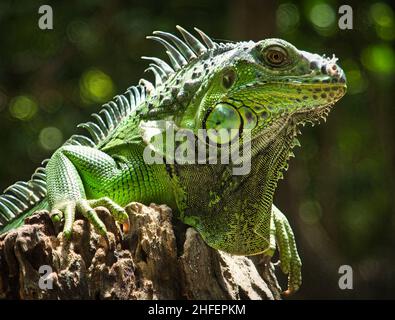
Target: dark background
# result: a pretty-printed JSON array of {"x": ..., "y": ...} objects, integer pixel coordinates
[{"x": 339, "y": 191}]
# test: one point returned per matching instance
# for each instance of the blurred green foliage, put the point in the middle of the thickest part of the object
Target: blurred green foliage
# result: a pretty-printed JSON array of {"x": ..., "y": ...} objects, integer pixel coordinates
[{"x": 339, "y": 191}]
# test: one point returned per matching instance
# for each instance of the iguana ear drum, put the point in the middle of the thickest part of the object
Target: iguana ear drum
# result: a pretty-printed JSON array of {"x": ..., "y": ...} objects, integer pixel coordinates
[{"x": 228, "y": 78}]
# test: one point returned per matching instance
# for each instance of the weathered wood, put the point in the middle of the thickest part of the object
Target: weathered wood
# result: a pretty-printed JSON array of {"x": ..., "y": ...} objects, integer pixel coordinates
[{"x": 158, "y": 258}]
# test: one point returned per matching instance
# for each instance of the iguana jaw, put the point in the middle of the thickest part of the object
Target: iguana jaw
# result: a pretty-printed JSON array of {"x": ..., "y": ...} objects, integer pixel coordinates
[{"x": 285, "y": 129}]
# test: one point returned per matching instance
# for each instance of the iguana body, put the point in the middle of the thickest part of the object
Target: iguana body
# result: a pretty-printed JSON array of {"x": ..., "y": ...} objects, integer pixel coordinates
[{"x": 268, "y": 87}]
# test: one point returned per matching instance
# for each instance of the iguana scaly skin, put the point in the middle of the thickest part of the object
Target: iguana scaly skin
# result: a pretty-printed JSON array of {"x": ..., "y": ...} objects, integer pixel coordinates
[{"x": 268, "y": 87}]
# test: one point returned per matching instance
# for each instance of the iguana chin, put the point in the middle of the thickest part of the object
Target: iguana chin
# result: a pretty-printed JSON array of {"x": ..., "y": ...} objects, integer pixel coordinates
[{"x": 269, "y": 87}]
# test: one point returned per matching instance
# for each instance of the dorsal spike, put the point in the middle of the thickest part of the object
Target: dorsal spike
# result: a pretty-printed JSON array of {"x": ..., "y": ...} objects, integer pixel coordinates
[
  {"x": 75, "y": 143},
  {"x": 120, "y": 105},
  {"x": 20, "y": 206},
  {"x": 23, "y": 184},
  {"x": 195, "y": 44},
  {"x": 177, "y": 56},
  {"x": 40, "y": 186},
  {"x": 92, "y": 130},
  {"x": 108, "y": 118},
  {"x": 29, "y": 192},
  {"x": 100, "y": 123},
  {"x": 164, "y": 66},
  {"x": 39, "y": 175},
  {"x": 142, "y": 93},
  {"x": 110, "y": 112},
  {"x": 161, "y": 72},
  {"x": 117, "y": 112},
  {"x": 20, "y": 194},
  {"x": 97, "y": 129},
  {"x": 158, "y": 78},
  {"x": 184, "y": 49},
  {"x": 5, "y": 211},
  {"x": 206, "y": 39},
  {"x": 126, "y": 103},
  {"x": 173, "y": 62},
  {"x": 137, "y": 97},
  {"x": 85, "y": 140},
  {"x": 132, "y": 100},
  {"x": 13, "y": 208},
  {"x": 147, "y": 85},
  {"x": 41, "y": 170}
]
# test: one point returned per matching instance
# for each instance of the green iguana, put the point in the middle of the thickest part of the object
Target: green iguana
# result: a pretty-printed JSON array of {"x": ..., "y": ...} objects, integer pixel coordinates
[{"x": 268, "y": 87}]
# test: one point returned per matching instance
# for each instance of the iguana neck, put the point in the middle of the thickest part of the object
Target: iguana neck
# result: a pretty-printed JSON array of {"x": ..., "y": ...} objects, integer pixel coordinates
[{"x": 229, "y": 196}]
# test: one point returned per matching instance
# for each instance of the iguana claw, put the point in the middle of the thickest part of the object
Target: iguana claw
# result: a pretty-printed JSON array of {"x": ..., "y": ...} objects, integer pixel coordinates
[{"x": 85, "y": 207}]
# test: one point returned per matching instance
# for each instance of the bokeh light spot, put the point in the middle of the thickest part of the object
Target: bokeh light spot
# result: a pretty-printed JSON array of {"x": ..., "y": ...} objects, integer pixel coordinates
[
  {"x": 383, "y": 18},
  {"x": 322, "y": 15},
  {"x": 382, "y": 14},
  {"x": 287, "y": 17},
  {"x": 23, "y": 107},
  {"x": 379, "y": 58},
  {"x": 96, "y": 86},
  {"x": 50, "y": 138}
]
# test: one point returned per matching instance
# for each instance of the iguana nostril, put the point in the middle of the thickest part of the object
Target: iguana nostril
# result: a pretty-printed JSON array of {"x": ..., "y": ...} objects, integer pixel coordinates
[{"x": 332, "y": 70}]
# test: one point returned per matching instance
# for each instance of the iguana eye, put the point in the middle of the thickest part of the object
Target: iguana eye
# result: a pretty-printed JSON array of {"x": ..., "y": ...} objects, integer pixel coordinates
[
  {"x": 223, "y": 123},
  {"x": 228, "y": 78},
  {"x": 276, "y": 56}
]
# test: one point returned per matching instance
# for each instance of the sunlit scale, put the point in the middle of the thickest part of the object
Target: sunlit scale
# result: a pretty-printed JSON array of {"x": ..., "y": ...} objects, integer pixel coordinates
[
  {"x": 222, "y": 119},
  {"x": 249, "y": 118}
]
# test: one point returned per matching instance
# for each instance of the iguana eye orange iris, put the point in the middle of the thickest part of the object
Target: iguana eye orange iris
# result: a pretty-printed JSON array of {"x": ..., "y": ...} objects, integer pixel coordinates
[{"x": 276, "y": 56}]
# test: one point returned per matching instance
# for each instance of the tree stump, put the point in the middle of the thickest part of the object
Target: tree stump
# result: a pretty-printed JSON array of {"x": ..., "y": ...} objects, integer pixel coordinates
[{"x": 158, "y": 258}]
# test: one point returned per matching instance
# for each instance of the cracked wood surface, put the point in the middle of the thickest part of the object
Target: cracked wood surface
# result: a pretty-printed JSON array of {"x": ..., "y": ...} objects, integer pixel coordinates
[{"x": 159, "y": 258}]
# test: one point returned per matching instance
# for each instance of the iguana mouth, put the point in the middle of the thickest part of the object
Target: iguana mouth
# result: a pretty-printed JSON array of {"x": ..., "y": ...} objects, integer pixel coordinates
[
  {"x": 314, "y": 116},
  {"x": 289, "y": 130},
  {"x": 295, "y": 120}
]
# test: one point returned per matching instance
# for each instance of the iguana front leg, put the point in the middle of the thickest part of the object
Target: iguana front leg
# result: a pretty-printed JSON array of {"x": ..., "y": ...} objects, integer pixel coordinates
[
  {"x": 289, "y": 258},
  {"x": 281, "y": 235},
  {"x": 70, "y": 171}
]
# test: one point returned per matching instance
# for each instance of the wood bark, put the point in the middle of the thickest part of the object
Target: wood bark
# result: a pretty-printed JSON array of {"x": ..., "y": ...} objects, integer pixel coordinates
[{"x": 157, "y": 258}]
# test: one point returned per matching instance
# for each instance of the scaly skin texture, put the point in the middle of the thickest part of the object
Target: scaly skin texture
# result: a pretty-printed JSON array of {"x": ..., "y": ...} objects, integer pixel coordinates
[{"x": 268, "y": 87}]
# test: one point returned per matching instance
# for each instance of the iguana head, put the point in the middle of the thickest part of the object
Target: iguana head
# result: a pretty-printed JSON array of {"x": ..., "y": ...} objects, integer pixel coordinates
[{"x": 268, "y": 87}]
